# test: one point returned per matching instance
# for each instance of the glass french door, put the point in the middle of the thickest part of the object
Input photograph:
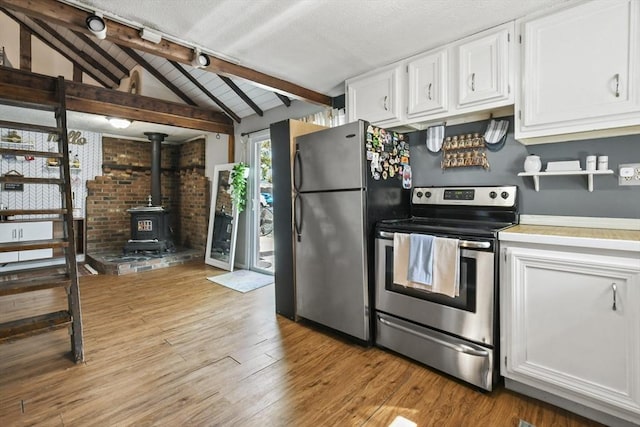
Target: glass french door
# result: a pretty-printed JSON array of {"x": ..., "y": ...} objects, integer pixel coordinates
[{"x": 262, "y": 248}]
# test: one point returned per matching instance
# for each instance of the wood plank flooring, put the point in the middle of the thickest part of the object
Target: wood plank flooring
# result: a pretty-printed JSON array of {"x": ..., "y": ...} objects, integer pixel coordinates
[{"x": 168, "y": 347}]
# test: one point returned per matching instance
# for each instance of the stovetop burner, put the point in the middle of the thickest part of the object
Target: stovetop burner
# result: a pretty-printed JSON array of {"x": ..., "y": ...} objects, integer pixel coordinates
[{"x": 472, "y": 211}]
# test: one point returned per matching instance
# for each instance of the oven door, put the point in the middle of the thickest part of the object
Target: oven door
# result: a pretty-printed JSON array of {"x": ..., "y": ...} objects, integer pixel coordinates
[{"x": 469, "y": 315}]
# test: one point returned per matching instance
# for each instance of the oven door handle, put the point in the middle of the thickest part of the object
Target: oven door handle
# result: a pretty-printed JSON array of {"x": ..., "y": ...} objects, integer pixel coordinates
[
  {"x": 460, "y": 348},
  {"x": 464, "y": 244}
]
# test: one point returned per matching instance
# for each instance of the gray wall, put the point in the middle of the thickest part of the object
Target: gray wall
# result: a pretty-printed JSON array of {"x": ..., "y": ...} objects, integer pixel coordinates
[{"x": 558, "y": 195}]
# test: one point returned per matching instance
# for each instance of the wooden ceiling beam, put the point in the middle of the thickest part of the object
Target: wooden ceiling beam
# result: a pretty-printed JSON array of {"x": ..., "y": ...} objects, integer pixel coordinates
[
  {"x": 84, "y": 55},
  {"x": 25, "y": 48},
  {"x": 234, "y": 87},
  {"x": 123, "y": 35},
  {"x": 285, "y": 100},
  {"x": 106, "y": 55},
  {"x": 204, "y": 90},
  {"x": 21, "y": 88},
  {"x": 157, "y": 74},
  {"x": 54, "y": 47}
]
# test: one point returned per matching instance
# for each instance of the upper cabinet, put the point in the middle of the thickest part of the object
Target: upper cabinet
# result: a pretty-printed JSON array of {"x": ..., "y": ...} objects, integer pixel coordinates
[
  {"x": 580, "y": 69},
  {"x": 470, "y": 75},
  {"x": 376, "y": 96},
  {"x": 428, "y": 84},
  {"x": 485, "y": 69}
]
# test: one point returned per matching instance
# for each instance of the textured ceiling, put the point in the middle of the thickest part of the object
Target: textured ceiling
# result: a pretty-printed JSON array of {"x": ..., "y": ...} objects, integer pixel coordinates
[{"x": 317, "y": 43}]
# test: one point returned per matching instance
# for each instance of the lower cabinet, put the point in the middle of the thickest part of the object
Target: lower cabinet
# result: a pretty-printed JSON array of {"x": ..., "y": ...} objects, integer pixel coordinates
[
  {"x": 570, "y": 324},
  {"x": 25, "y": 231}
]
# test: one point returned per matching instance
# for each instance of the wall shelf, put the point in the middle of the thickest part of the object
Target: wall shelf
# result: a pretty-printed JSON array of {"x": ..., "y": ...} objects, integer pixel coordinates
[{"x": 536, "y": 176}]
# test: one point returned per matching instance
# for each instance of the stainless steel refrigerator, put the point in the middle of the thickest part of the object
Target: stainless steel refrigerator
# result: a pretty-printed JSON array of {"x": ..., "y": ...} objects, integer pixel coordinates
[{"x": 339, "y": 195}]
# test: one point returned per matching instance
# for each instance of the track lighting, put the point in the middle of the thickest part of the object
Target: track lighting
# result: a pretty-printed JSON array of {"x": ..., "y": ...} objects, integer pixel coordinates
[
  {"x": 96, "y": 25},
  {"x": 150, "y": 35},
  {"x": 200, "y": 60}
]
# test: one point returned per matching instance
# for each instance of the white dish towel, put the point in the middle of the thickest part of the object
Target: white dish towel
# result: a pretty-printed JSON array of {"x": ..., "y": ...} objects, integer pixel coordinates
[
  {"x": 446, "y": 266},
  {"x": 401, "y": 243}
]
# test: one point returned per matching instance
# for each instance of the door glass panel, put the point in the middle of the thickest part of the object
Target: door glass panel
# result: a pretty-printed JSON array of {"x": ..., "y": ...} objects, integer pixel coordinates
[{"x": 263, "y": 220}]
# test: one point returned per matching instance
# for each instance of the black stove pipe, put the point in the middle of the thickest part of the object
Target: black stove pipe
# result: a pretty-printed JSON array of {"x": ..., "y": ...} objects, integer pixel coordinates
[{"x": 156, "y": 139}]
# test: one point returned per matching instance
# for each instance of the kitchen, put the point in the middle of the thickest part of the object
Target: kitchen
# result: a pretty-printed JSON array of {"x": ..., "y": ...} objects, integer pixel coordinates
[{"x": 567, "y": 196}]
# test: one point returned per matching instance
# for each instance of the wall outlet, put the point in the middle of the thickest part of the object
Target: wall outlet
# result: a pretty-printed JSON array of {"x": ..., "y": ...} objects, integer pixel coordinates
[{"x": 629, "y": 174}]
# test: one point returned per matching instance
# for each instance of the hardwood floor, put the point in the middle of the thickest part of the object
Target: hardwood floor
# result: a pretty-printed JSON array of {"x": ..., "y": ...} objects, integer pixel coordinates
[{"x": 168, "y": 347}]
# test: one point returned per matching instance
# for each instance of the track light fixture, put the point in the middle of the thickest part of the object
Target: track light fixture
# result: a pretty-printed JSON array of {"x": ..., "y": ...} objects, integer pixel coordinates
[
  {"x": 150, "y": 35},
  {"x": 96, "y": 25},
  {"x": 200, "y": 60}
]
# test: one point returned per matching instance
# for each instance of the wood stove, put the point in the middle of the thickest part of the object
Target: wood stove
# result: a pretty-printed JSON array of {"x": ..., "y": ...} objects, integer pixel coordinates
[{"x": 150, "y": 230}]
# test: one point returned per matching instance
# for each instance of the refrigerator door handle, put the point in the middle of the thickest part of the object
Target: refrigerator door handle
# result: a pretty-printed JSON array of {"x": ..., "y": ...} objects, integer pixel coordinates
[
  {"x": 297, "y": 170},
  {"x": 297, "y": 217}
]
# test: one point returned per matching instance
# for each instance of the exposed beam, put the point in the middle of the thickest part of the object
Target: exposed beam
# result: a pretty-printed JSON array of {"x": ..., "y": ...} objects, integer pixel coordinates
[
  {"x": 85, "y": 56},
  {"x": 74, "y": 19},
  {"x": 157, "y": 74},
  {"x": 54, "y": 47},
  {"x": 242, "y": 95},
  {"x": 231, "y": 148},
  {"x": 77, "y": 73},
  {"x": 35, "y": 90},
  {"x": 25, "y": 48},
  {"x": 204, "y": 90},
  {"x": 285, "y": 100},
  {"x": 106, "y": 55}
]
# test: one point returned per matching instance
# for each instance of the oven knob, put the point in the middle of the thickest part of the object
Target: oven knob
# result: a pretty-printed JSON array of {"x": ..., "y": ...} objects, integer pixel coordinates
[
  {"x": 428, "y": 194},
  {"x": 504, "y": 195},
  {"x": 419, "y": 194},
  {"x": 493, "y": 194}
]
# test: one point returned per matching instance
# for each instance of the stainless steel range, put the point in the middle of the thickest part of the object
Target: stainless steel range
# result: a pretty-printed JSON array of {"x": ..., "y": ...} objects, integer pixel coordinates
[{"x": 454, "y": 334}]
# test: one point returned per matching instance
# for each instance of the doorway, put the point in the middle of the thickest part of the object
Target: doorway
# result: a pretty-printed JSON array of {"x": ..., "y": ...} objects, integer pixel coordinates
[{"x": 261, "y": 188}]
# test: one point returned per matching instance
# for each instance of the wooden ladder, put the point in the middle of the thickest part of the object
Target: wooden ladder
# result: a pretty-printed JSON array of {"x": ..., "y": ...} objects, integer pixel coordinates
[{"x": 65, "y": 276}]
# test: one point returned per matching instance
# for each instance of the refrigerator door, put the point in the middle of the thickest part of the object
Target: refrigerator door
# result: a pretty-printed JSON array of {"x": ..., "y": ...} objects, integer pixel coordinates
[
  {"x": 331, "y": 270},
  {"x": 331, "y": 159}
]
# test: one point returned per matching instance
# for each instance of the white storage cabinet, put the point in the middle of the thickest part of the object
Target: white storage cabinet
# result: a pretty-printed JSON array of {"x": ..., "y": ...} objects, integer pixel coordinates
[{"x": 25, "y": 231}]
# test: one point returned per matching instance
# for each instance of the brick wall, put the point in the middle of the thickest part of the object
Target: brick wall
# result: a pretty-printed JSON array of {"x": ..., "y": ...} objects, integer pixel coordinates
[{"x": 126, "y": 183}]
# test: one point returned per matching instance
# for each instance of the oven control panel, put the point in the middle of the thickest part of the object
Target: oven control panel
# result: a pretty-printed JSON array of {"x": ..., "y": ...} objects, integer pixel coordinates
[{"x": 501, "y": 196}]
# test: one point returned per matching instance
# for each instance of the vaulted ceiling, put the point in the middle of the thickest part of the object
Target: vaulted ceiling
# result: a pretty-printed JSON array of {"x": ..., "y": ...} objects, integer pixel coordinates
[{"x": 264, "y": 52}]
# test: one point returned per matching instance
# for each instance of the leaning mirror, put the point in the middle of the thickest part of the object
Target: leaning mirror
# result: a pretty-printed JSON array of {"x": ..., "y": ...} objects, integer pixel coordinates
[{"x": 223, "y": 220}]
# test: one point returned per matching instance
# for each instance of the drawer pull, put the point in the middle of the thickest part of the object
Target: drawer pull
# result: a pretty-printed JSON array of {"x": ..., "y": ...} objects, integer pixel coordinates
[{"x": 614, "y": 288}]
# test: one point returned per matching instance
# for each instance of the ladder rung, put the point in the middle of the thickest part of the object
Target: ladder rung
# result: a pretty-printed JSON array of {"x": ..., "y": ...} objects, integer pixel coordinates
[
  {"x": 30, "y": 127},
  {"x": 11, "y": 212},
  {"x": 29, "y": 180},
  {"x": 29, "y": 326},
  {"x": 18, "y": 286},
  {"x": 21, "y": 152},
  {"x": 33, "y": 244}
]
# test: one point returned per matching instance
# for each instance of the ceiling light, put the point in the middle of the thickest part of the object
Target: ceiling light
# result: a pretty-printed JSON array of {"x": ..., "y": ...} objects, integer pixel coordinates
[
  {"x": 150, "y": 35},
  {"x": 96, "y": 25},
  {"x": 119, "y": 123},
  {"x": 200, "y": 59}
]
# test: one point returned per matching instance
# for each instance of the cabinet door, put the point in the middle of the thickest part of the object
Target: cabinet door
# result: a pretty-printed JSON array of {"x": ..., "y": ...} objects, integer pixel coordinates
[
  {"x": 571, "y": 326},
  {"x": 484, "y": 68},
  {"x": 35, "y": 231},
  {"x": 8, "y": 233},
  {"x": 580, "y": 67},
  {"x": 375, "y": 97},
  {"x": 427, "y": 84}
]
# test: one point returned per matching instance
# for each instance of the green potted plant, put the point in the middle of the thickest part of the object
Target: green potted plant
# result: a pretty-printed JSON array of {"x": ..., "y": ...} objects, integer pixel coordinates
[{"x": 238, "y": 177}]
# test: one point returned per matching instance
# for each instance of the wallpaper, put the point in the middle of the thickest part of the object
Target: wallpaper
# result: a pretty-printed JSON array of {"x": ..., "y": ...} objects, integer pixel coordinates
[{"x": 84, "y": 146}]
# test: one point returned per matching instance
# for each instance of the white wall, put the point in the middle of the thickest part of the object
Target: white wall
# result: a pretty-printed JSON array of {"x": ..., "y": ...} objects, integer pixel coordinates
[
  {"x": 10, "y": 39},
  {"x": 45, "y": 60},
  {"x": 216, "y": 152},
  {"x": 149, "y": 86}
]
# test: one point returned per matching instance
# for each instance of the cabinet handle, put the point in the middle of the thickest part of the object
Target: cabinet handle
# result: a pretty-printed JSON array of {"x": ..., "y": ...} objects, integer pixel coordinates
[
  {"x": 14, "y": 234},
  {"x": 615, "y": 290},
  {"x": 385, "y": 103},
  {"x": 20, "y": 234},
  {"x": 429, "y": 91},
  {"x": 617, "y": 77},
  {"x": 473, "y": 82}
]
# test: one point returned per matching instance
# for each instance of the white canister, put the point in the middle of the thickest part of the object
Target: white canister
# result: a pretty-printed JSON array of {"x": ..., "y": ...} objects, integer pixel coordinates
[
  {"x": 532, "y": 163},
  {"x": 591, "y": 163},
  {"x": 603, "y": 163}
]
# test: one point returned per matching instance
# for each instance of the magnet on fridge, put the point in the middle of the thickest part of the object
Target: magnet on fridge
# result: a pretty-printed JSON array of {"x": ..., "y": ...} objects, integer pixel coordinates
[
  {"x": 376, "y": 175},
  {"x": 369, "y": 155},
  {"x": 384, "y": 175},
  {"x": 404, "y": 160},
  {"x": 406, "y": 177}
]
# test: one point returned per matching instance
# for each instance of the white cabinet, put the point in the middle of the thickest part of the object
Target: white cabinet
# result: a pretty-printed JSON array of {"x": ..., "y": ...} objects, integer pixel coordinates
[
  {"x": 428, "y": 84},
  {"x": 570, "y": 324},
  {"x": 376, "y": 97},
  {"x": 580, "y": 69},
  {"x": 484, "y": 69},
  {"x": 23, "y": 232}
]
